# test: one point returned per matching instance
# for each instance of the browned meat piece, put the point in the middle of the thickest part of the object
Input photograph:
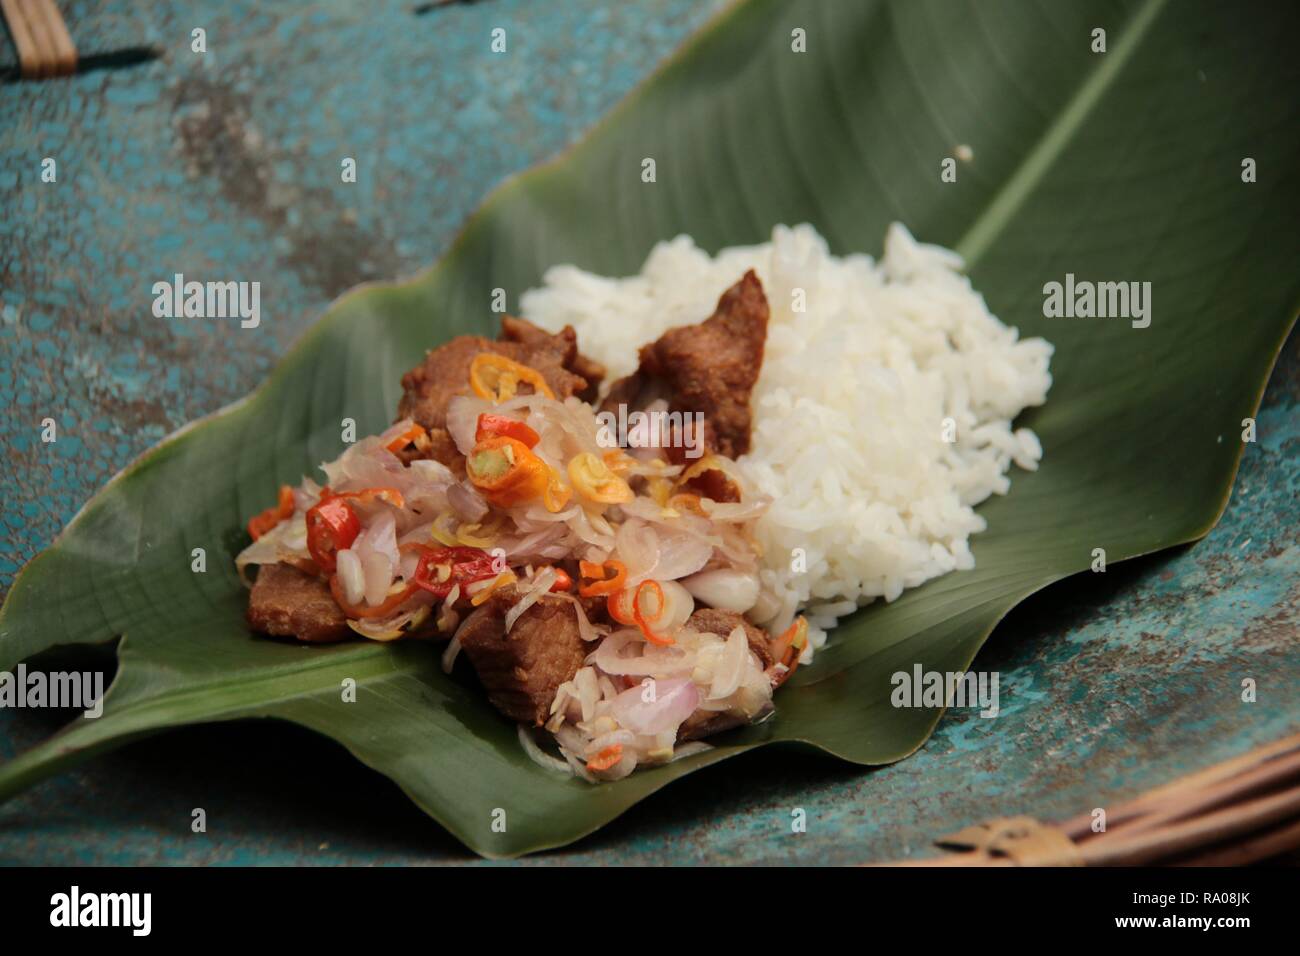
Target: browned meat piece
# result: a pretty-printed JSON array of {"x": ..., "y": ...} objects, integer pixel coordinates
[
  {"x": 287, "y": 602},
  {"x": 440, "y": 447},
  {"x": 522, "y": 670},
  {"x": 592, "y": 371},
  {"x": 428, "y": 388},
  {"x": 713, "y": 483},
  {"x": 709, "y": 368},
  {"x": 704, "y": 723},
  {"x": 626, "y": 391},
  {"x": 564, "y": 346},
  {"x": 713, "y": 621}
]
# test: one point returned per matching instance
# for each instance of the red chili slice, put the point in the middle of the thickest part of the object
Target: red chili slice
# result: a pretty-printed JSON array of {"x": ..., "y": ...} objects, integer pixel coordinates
[
  {"x": 491, "y": 426},
  {"x": 260, "y": 524},
  {"x": 331, "y": 527},
  {"x": 465, "y": 566}
]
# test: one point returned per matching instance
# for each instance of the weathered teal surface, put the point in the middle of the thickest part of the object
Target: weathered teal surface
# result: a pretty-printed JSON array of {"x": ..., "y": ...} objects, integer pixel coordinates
[{"x": 227, "y": 164}]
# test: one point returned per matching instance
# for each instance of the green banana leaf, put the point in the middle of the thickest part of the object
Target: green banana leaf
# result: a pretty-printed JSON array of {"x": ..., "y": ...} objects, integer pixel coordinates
[{"x": 1122, "y": 165}]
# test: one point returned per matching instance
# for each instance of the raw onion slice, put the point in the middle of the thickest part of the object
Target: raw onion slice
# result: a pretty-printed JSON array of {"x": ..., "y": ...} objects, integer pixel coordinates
[
  {"x": 727, "y": 589},
  {"x": 390, "y": 629},
  {"x": 651, "y": 661},
  {"x": 540, "y": 584},
  {"x": 637, "y": 546},
  {"x": 539, "y": 756},
  {"x": 731, "y": 669},
  {"x": 378, "y": 573},
  {"x": 351, "y": 576},
  {"x": 680, "y": 555},
  {"x": 462, "y": 420},
  {"x": 670, "y": 702}
]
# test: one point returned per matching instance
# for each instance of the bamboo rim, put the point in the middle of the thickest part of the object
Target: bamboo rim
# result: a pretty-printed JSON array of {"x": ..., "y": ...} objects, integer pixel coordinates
[
  {"x": 45, "y": 48},
  {"x": 1234, "y": 813}
]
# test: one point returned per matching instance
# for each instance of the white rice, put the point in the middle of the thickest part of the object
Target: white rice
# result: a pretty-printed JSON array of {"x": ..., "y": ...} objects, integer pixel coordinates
[{"x": 850, "y": 406}]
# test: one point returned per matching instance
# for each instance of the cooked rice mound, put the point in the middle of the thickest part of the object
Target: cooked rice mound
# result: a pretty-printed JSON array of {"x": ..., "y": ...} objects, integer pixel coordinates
[{"x": 870, "y": 369}]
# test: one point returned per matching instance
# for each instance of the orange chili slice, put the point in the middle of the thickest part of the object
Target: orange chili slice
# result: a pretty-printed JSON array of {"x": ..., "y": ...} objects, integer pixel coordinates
[
  {"x": 414, "y": 433},
  {"x": 507, "y": 472},
  {"x": 617, "y": 461},
  {"x": 497, "y": 378},
  {"x": 653, "y": 588},
  {"x": 260, "y": 524},
  {"x": 366, "y": 495},
  {"x": 788, "y": 648},
  {"x": 606, "y": 758},
  {"x": 556, "y": 495},
  {"x": 618, "y": 608},
  {"x": 601, "y": 582},
  {"x": 594, "y": 480}
]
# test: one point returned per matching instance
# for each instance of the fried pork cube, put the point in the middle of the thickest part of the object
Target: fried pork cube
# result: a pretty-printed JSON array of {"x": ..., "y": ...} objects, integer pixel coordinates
[
  {"x": 287, "y": 602},
  {"x": 523, "y": 669}
]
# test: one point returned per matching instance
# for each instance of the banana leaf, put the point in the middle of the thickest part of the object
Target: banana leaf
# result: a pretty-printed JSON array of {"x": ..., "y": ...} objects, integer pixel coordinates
[{"x": 1122, "y": 165}]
